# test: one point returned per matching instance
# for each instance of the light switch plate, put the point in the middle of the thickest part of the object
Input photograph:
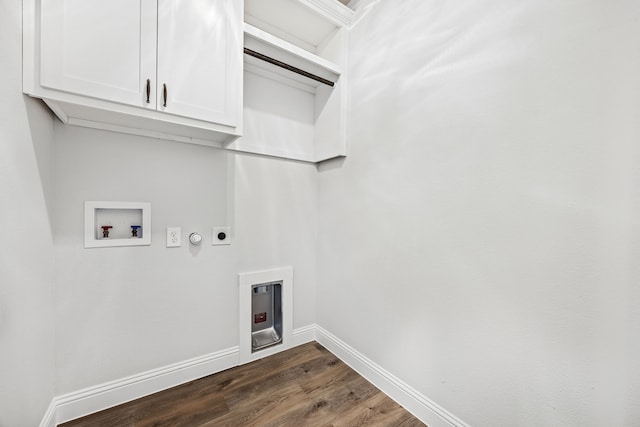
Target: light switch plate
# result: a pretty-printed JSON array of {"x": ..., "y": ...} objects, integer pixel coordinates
[{"x": 217, "y": 233}]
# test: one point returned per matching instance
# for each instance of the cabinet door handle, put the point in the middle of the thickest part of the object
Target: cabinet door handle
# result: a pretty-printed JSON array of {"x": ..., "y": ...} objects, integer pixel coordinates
[
  {"x": 148, "y": 90},
  {"x": 164, "y": 94}
]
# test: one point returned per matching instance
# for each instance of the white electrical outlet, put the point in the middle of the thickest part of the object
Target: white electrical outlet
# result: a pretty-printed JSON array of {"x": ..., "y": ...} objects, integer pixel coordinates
[
  {"x": 173, "y": 237},
  {"x": 221, "y": 236}
]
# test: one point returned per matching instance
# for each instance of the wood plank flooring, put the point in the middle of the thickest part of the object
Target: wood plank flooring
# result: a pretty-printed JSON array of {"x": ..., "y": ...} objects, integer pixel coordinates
[{"x": 303, "y": 386}]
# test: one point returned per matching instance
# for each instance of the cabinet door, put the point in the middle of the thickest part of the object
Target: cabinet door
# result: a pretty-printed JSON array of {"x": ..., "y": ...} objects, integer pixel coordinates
[
  {"x": 102, "y": 49},
  {"x": 200, "y": 59}
]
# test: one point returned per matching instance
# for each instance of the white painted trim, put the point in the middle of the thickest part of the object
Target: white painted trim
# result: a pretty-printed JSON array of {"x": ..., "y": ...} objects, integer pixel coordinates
[
  {"x": 93, "y": 399},
  {"x": 413, "y": 401},
  {"x": 57, "y": 110},
  {"x": 49, "y": 418},
  {"x": 337, "y": 13},
  {"x": 304, "y": 335},
  {"x": 141, "y": 132}
]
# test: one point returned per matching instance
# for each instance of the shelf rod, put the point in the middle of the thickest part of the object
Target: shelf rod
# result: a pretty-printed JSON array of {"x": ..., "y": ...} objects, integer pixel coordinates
[{"x": 287, "y": 67}]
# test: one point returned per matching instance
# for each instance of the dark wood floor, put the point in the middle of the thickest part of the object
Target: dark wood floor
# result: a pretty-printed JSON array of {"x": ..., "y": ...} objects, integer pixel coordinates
[{"x": 303, "y": 386}]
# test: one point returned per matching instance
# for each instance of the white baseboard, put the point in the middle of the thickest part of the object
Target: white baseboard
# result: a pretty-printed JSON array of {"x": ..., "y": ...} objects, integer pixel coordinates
[
  {"x": 413, "y": 401},
  {"x": 49, "y": 419},
  {"x": 304, "y": 335},
  {"x": 93, "y": 399}
]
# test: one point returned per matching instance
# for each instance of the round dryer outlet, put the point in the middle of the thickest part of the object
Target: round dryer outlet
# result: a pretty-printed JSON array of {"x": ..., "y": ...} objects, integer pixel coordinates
[{"x": 221, "y": 236}]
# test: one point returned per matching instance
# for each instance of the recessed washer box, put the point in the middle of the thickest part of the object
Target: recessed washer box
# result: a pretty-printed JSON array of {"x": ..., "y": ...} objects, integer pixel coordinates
[
  {"x": 265, "y": 309},
  {"x": 116, "y": 224},
  {"x": 266, "y": 315}
]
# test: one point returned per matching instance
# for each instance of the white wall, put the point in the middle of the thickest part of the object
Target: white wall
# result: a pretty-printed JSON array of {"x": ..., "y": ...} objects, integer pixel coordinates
[
  {"x": 26, "y": 253},
  {"x": 481, "y": 240},
  {"x": 276, "y": 210},
  {"x": 123, "y": 311}
]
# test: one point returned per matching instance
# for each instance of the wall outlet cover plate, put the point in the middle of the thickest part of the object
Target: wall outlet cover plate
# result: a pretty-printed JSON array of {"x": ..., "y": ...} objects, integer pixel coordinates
[
  {"x": 173, "y": 237},
  {"x": 221, "y": 236}
]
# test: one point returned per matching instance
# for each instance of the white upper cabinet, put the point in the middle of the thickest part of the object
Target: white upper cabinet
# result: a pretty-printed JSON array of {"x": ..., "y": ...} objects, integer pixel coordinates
[
  {"x": 163, "y": 68},
  {"x": 177, "y": 70},
  {"x": 102, "y": 49},
  {"x": 192, "y": 60}
]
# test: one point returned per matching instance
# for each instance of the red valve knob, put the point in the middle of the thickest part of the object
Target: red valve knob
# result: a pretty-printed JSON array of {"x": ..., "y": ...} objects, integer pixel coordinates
[{"x": 105, "y": 230}]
